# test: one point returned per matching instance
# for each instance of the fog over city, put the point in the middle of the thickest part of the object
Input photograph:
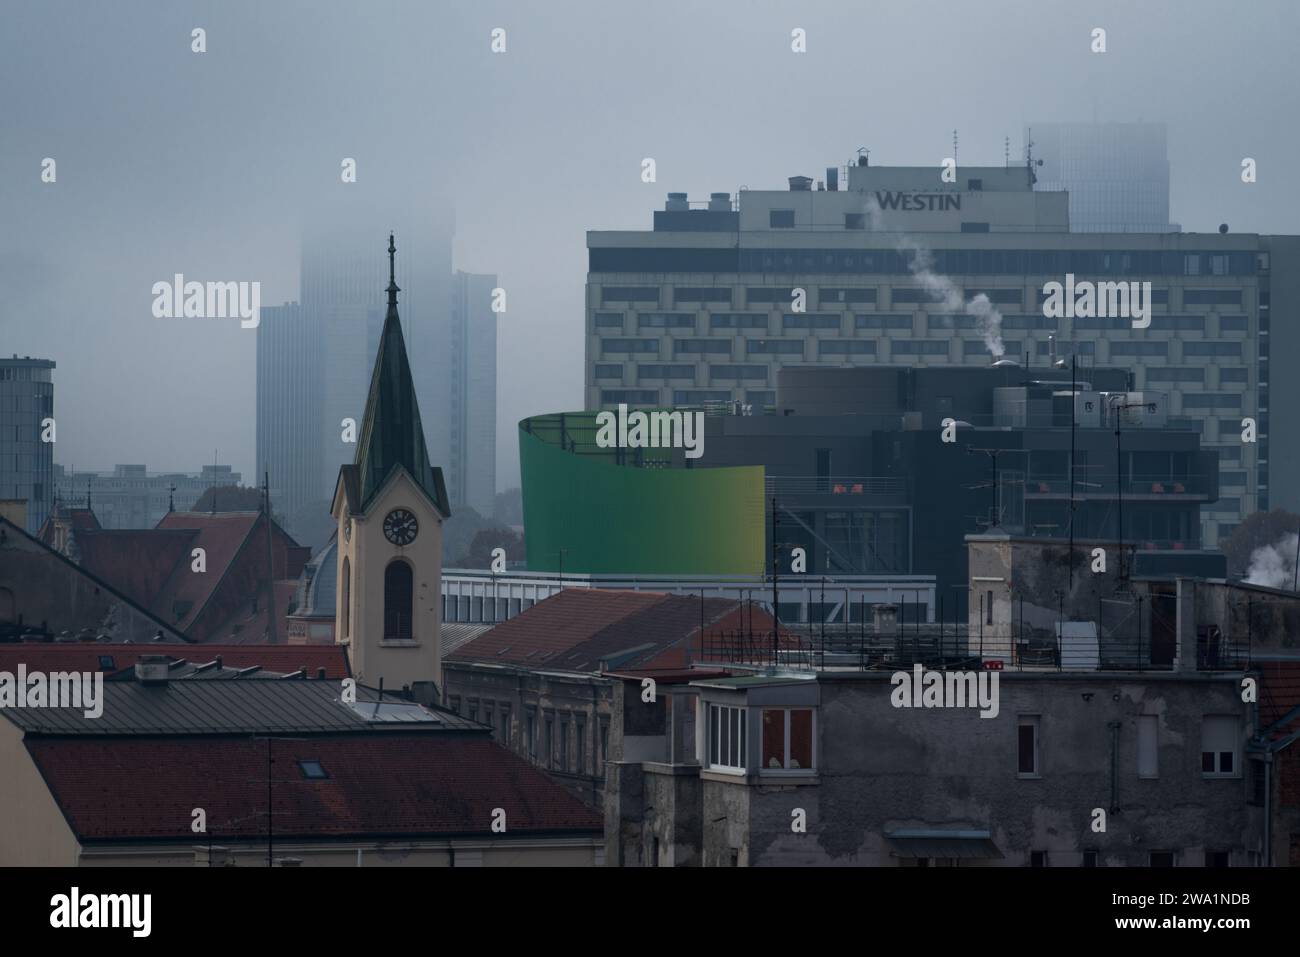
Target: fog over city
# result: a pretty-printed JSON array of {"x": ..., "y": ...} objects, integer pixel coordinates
[{"x": 210, "y": 165}]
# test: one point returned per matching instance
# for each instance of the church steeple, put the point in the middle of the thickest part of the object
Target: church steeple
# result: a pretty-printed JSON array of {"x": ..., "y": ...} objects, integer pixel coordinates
[
  {"x": 393, "y": 288},
  {"x": 391, "y": 432}
]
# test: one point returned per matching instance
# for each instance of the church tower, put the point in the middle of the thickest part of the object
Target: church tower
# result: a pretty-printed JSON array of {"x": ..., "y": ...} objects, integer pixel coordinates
[{"x": 390, "y": 504}]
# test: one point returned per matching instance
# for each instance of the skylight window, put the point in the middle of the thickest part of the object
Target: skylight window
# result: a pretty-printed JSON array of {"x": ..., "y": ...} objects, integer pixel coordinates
[{"x": 312, "y": 770}]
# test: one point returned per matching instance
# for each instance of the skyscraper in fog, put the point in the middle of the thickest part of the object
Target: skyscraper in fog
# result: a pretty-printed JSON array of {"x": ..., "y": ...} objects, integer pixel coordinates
[
  {"x": 315, "y": 358},
  {"x": 26, "y": 462},
  {"x": 471, "y": 469},
  {"x": 1117, "y": 174}
]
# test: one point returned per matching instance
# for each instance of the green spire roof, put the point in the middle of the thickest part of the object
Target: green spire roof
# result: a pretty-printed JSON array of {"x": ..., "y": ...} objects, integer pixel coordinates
[{"x": 391, "y": 433}]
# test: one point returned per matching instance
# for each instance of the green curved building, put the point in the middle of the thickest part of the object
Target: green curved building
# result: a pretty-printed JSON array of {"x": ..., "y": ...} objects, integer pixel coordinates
[{"x": 621, "y": 511}]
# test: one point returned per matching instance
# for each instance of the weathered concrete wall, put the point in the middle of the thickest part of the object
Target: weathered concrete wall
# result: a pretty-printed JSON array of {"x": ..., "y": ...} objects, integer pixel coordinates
[
  {"x": 672, "y": 810},
  {"x": 725, "y": 821},
  {"x": 1265, "y": 619},
  {"x": 884, "y": 769}
]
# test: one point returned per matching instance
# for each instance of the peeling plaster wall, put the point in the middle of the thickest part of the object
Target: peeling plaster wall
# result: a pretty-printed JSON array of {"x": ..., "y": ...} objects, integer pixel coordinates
[{"x": 884, "y": 769}]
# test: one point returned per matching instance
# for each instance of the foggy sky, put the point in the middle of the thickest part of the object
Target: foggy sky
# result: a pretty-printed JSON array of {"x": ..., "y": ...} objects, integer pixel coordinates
[{"x": 205, "y": 164}]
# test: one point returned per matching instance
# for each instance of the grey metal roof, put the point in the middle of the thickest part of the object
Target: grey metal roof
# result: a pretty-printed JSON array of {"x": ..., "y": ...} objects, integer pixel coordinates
[
  {"x": 455, "y": 634},
  {"x": 232, "y": 707}
]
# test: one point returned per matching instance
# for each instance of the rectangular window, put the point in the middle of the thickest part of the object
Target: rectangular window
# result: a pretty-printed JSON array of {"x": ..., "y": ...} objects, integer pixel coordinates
[
  {"x": 1174, "y": 374},
  {"x": 473, "y": 709},
  {"x": 872, "y": 321},
  {"x": 564, "y": 744},
  {"x": 652, "y": 371},
  {"x": 531, "y": 733},
  {"x": 629, "y": 294},
  {"x": 919, "y": 347},
  {"x": 504, "y": 717},
  {"x": 780, "y": 218},
  {"x": 915, "y": 296},
  {"x": 1219, "y": 745},
  {"x": 1027, "y": 745},
  {"x": 1089, "y": 858},
  {"x": 630, "y": 396},
  {"x": 580, "y": 744},
  {"x": 727, "y": 733},
  {"x": 609, "y": 370},
  {"x": 1216, "y": 858},
  {"x": 1211, "y": 297},
  {"x": 988, "y": 607},
  {"x": 1037, "y": 858},
  {"x": 1233, "y": 324},
  {"x": 1234, "y": 375},
  {"x": 701, "y": 294},
  {"x": 832, "y": 295},
  {"x": 549, "y": 753},
  {"x": 846, "y": 347},
  {"x": 855, "y": 220},
  {"x": 609, "y": 320},
  {"x": 604, "y": 741},
  {"x": 1212, "y": 400},
  {"x": 1162, "y": 858},
  {"x": 810, "y": 321},
  {"x": 1139, "y": 348},
  {"x": 700, "y": 396},
  {"x": 737, "y": 320},
  {"x": 629, "y": 345},
  {"x": 732, "y": 373},
  {"x": 769, "y": 294},
  {"x": 697, "y": 347},
  {"x": 1148, "y": 751},
  {"x": 974, "y": 227},
  {"x": 774, "y": 347},
  {"x": 665, "y": 320},
  {"x": 1232, "y": 349}
]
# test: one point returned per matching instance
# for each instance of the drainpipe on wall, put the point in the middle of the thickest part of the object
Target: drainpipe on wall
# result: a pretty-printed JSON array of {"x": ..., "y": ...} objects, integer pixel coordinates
[{"x": 1114, "y": 767}]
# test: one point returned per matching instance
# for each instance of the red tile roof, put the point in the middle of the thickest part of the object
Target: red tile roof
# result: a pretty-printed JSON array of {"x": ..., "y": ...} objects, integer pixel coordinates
[
  {"x": 221, "y": 535},
  {"x": 1279, "y": 691},
  {"x": 84, "y": 656},
  {"x": 577, "y": 628},
  {"x": 394, "y": 785},
  {"x": 136, "y": 561}
]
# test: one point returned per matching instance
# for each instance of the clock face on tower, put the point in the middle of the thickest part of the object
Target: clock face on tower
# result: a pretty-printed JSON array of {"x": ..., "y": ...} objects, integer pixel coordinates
[{"x": 401, "y": 527}]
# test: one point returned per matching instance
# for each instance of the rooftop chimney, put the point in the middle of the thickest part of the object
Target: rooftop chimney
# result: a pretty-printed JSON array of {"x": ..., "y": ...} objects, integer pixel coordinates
[
  {"x": 676, "y": 203},
  {"x": 152, "y": 669}
]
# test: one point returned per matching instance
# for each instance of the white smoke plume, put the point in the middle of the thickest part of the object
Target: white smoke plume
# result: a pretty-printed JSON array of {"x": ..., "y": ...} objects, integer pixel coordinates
[
  {"x": 1274, "y": 565},
  {"x": 942, "y": 288}
]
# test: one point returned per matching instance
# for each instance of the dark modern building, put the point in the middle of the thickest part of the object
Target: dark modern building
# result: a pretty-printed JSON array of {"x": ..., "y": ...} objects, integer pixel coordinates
[
  {"x": 861, "y": 472},
  {"x": 879, "y": 266},
  {"x": 26, "y": 455}
]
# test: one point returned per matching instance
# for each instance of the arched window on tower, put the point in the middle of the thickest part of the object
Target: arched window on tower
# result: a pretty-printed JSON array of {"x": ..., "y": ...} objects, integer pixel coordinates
[
  {"x": 347, "y": 598},
  {"x": 398, "y": 595}
]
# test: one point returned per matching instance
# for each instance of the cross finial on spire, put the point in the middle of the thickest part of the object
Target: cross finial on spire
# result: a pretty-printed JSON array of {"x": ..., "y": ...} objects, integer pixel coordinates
[{"x": 393, "y": 288}]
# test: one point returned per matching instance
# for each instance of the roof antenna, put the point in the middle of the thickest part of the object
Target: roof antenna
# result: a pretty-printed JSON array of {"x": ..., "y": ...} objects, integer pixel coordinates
[{"x": 954, "y": 147}]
